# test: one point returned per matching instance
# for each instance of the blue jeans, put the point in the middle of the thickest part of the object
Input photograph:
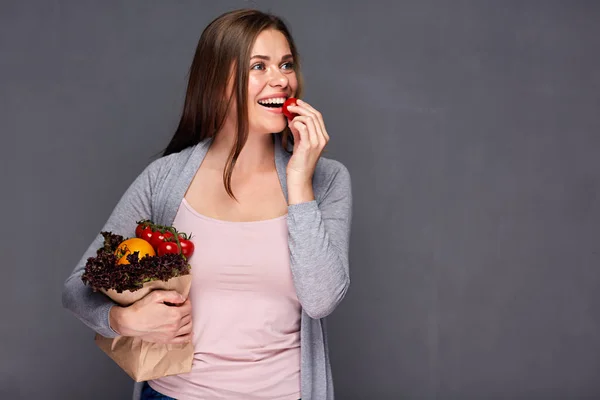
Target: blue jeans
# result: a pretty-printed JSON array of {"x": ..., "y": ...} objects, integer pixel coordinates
[{"x": 150, "y": 394}]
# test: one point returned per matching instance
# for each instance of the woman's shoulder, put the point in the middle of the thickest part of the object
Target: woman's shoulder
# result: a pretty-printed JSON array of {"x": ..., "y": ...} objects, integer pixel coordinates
[{"x": 167, "y": 162}]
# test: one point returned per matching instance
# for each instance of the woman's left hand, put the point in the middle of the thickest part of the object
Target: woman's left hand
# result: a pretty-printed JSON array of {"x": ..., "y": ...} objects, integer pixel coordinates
[{"x": 310, "y": 138}]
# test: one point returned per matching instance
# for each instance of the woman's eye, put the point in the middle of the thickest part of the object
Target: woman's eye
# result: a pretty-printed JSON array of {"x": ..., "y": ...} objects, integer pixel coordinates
[{"x": 288, "y": 65}]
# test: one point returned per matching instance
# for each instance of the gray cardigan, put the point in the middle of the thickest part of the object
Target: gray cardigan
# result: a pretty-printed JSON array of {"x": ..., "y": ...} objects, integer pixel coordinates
[{"x": 319, "y": 234}]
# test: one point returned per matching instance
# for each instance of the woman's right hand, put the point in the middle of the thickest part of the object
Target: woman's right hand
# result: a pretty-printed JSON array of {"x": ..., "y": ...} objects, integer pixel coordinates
[{"x": 152, "y": 320}]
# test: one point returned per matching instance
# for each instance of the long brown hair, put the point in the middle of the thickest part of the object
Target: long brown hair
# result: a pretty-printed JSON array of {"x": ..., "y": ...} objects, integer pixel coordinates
[{"x": 225, "y": 46}]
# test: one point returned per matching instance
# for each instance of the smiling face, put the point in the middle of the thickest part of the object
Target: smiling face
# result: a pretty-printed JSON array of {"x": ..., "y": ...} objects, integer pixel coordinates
[
  {"x": 271, "y": 80},
  {"x": 242, "y": 57}
]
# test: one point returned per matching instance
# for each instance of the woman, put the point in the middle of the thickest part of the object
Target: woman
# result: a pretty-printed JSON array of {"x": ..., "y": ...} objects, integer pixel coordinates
[{"x": 270, "y": 220}]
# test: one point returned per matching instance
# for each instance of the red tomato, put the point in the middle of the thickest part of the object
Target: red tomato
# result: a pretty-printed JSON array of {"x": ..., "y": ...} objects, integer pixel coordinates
[
  {"x": 289, "y": 102},
  {"x": 167, "y": 248},
  {"x": 141, "y": 225},
  {"x": 146, "y": 234},
  {"x": 187, "y": 247},
  {"x": 138, "y": 231},
  {"x": 159, "y": 237}
]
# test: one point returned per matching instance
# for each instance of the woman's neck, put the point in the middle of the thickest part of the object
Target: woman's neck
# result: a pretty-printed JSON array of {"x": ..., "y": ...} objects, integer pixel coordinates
[{"x": 257, "y": 155}]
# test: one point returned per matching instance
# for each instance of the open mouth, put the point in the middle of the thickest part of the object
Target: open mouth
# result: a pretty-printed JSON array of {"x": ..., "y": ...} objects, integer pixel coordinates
[{"x": 275, "y": 102}]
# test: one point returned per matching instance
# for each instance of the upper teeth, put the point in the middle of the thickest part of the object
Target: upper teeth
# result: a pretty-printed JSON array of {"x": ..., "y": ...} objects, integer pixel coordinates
[{"x": 275, "y": 100}]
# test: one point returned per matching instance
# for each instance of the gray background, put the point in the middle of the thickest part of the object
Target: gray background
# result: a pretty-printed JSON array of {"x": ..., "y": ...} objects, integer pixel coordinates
[{"x": 470, "y": 128}]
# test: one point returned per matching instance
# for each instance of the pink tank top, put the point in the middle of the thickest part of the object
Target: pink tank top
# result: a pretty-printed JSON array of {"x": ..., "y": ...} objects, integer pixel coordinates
[{"x": 246, "y": 316}]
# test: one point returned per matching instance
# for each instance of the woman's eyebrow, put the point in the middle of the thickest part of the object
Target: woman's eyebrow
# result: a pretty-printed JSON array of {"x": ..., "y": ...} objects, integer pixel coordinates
[{"x": 267, "y": 58}]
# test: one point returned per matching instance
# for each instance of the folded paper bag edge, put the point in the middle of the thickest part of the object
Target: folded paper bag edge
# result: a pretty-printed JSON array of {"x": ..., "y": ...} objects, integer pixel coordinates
[{"x": 143, "y": 361}]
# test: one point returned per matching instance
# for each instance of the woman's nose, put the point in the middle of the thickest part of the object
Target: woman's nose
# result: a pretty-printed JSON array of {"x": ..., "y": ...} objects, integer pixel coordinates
[{"x": 278, "y": 78}]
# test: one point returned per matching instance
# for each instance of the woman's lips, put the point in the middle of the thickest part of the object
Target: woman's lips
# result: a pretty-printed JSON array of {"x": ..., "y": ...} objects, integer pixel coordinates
[{"x": 275, "y": 110}]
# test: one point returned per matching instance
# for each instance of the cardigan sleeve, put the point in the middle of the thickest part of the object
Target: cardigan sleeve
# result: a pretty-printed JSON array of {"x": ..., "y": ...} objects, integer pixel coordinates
[
  {"x": 93, "y": 308},
  {"x": 319, "y": 236}
]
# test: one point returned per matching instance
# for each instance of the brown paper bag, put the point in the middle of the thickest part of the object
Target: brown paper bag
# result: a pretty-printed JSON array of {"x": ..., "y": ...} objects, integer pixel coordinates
[{"x": 141, "y": 360}]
